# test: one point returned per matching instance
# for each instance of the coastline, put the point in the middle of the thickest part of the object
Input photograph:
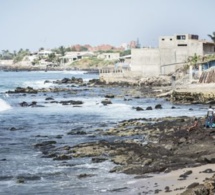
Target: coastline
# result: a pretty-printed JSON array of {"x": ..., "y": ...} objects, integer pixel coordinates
[{"x": 188, "y": 141}]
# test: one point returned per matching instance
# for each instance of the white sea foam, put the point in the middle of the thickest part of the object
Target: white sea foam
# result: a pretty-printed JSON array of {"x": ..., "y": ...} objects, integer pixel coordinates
[
  {"x": 74, "y": 72},
  {"x": 4, "y": 105},
  {"x": 37, "y": 84}
]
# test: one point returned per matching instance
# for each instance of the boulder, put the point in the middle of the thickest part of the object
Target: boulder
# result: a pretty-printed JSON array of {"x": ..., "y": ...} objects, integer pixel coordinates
[
  {"x": 158, "y": 106},
  {"x": 106, "y": 102},
  {"x": 109, "y": 96},
  {"x": 149, "y": 108}
]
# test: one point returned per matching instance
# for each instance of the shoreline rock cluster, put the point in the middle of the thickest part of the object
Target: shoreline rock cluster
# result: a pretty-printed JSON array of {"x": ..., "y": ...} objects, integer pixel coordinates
[{"x": 142, "y": 146}]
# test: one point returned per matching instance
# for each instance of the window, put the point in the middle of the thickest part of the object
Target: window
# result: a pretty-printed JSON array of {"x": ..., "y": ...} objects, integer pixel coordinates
[
  {"x": 182, "y": 45},
  {"x": 181, "y": 37},
  {"x": 195, "y": 37},
  {"x": 163, "y": 39},
  {"x": 170, "y": 39}
]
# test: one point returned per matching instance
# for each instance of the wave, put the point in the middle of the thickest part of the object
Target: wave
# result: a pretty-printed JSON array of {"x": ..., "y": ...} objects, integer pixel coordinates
[
  {"x": 74, "y": 72},
  {"x": 38, "y": 84},
  {"x": 64, "y": 72},
  {"x": 4, "y": 105}
]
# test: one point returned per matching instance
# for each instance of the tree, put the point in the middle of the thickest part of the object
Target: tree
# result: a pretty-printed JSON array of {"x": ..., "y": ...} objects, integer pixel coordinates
[
  {"x": 6, "y": 55},
  {"x": 125, "y": 53},
  {"x": 212, "y": 37},
  {"x": 62, "y": 50},
  {"x": 193, "y": 60},
  {"x": 20, "y": 55},
  {"x": 51, "y": 57}
]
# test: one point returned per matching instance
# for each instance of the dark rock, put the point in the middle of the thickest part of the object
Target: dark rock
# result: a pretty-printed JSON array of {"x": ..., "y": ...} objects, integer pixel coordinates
[
  {"x": 98, "y": 159},
  {"x": 157, "y": 191},
  {"x": 13, "y": 129},
  {"x": 119, "y": 189},
  {"x": 167, "y": 189},
  {"x": 77, "y": 132},
  {"x": 158, "y": 106},
  {"x": 24, "y": 104},
  {"x": 62, "y": 157},
  {"x": 109, "y": 96},
  {"x": 45, "y": 143},
  {"x": 208, "y": 171},
  {"x": 149, "y": 108},
  {"x": 185, "y": 175},
  {"x": 193, "y": 185},
  {"x": 139, "y": 109},
  {"x": 20, "y": 180},
  {"x": 84, "y": 175},
  {"x": 71, "y": 102},
  {"x": 49, "y": 98},
  {"x": 106, "y": 102},
  {"x": 59, "y": 136}
]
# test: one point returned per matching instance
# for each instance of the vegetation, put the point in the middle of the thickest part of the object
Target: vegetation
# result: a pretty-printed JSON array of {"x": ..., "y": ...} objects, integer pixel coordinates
[
  {"x": 7, "y": 55},
  {"x": 212, "y": 37},
  {"x": 195, "y": 60},
  {"x": 125, "y": 53},
  {"x": 15, "y": 56},
  {"x": 20, "y": 55},
  {"x": 92, "y": 62}
]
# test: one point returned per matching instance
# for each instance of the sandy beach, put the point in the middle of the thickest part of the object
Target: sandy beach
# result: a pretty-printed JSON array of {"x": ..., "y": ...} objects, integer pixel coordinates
[{"x": 161, "y": 182}]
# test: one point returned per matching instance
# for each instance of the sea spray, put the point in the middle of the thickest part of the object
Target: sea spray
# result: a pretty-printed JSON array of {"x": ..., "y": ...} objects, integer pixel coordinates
[{"x": 4, "y": 105}]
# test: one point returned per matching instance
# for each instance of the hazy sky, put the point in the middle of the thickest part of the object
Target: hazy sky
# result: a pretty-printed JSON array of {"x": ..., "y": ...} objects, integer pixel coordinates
[{"x": 51, "y": 23}]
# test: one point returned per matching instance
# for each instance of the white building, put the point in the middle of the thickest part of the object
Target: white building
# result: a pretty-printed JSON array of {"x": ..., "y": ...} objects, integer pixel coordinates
[
  {"x": 44, "y": 53},
  {"x": 109, "y": 56},
  {"x": 70, "y": 57}
]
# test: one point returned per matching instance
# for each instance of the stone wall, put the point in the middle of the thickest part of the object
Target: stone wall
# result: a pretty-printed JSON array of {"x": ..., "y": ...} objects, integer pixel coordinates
[
  {"x": 119, "y": 75},
  {"x": 146, "y": 60}
]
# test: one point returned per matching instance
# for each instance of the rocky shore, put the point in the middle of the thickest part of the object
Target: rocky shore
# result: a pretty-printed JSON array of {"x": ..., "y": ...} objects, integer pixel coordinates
[
  {"x": 140, "y": 146},
  {"x": 143, "y": 146}
]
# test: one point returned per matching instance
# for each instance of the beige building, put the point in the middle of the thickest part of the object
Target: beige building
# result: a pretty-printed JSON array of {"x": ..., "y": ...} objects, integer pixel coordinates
[
  {"x": 172, "y": 52},
  {"x": 109, "y": 56}
]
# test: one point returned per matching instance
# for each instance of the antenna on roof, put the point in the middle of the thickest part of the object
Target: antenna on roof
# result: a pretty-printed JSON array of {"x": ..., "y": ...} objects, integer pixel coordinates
[{"x": 138, "y": 43}]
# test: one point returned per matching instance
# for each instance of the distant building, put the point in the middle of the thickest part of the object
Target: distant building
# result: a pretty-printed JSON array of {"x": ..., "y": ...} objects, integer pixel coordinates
[
  {"x": 132, "y": 44},
  {"x": 109, "y": 56},
  {"x": 44, "y": 53},
  {"x": 172, "y": 53},
  {"x": 70, "y": 57}
]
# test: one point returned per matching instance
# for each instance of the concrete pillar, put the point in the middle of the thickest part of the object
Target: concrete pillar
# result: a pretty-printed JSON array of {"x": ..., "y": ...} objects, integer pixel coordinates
[
  {"x": 191, "y": 73},
  {"x": 200, "y": 70}
]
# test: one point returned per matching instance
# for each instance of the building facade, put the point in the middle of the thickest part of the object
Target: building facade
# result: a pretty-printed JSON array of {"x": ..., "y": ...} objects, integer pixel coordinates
[
  {"x": 109, "y": 56},
  {"x": 172, "y": 53}
]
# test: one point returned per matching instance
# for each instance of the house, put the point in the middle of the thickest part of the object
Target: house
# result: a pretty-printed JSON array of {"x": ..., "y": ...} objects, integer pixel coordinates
[
  {"x": 70, "y": 57},
  {"x": 44, "y": 53},
  {"x": 172, "y": 53},
  {"x": 109, "y": 56}
]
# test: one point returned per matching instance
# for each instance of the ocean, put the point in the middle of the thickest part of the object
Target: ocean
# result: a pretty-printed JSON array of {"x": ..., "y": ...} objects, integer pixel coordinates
[{"x": 22, "y": 127}]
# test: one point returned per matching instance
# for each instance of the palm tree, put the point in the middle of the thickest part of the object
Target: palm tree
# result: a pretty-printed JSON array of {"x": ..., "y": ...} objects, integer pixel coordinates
[{"x": 212, "y": 37}]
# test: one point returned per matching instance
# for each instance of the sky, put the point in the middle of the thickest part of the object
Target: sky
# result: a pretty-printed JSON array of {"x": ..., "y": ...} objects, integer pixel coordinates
[{"x": 32, "y": 24}]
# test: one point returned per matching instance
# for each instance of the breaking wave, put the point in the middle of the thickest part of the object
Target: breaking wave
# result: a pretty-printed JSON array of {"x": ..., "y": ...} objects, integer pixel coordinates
[{"x": 4, "y": 105}]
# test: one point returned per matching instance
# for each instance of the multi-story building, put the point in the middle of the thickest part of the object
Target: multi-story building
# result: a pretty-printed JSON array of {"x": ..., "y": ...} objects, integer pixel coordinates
[{"x": 171, "y": 54}]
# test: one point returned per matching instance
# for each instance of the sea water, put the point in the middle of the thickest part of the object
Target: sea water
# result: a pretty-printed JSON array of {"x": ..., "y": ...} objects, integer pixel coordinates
[{"x": 19, "y": 158}]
